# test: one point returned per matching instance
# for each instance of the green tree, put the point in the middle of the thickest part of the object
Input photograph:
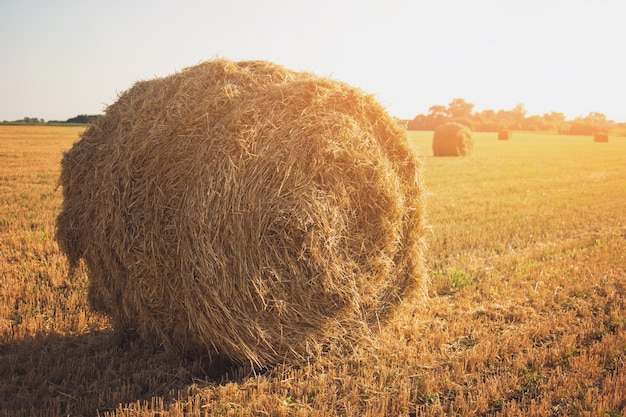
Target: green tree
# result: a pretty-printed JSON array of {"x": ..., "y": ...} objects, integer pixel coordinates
[
  {"x": 459, "y": 108},
  {"x": 82, "y": 118},
  {"x": 487, "y": 121},
  {"x": 437, "y": 115},
  {"x": 592, "y": 123},
  {"x": 519, "y": 114},
  {"x": 536, "y": 123},
  {"x": 554, "y": 116}
]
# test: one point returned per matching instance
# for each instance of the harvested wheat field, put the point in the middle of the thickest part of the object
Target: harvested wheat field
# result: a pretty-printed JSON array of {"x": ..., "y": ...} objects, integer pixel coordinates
[
  {"x": 245, "y": 211},
  {"x": 525, "y": 316}
]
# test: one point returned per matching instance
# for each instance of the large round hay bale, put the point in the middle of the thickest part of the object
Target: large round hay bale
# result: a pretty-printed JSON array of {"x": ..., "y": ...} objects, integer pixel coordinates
[
  {"x": 601, "y": 137},
  {"x": 504, "y": 134},
  {"x": 452, "y": 139},
  {"x": 244, "y": 210}
]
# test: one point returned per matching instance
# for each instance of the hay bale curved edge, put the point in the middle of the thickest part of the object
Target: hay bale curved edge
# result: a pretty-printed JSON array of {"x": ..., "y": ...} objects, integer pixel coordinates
[
  {"x": 452, "y": 139},
  {"x": 504, "y": 134},
  {"x": 243, "y": 210},
  {"x": 601, "y": 137}
]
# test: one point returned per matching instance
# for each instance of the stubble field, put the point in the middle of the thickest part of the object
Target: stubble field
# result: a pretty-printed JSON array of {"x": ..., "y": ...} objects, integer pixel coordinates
[{"x": 526, "y": 313}]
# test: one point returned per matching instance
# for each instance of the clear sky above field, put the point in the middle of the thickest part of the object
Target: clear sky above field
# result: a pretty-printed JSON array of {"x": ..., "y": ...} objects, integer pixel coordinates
[{"x": 59, "y": 59}]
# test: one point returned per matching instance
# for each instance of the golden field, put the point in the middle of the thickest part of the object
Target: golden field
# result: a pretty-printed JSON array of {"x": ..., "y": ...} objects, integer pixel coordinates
[{"x": 526, "y": 313}]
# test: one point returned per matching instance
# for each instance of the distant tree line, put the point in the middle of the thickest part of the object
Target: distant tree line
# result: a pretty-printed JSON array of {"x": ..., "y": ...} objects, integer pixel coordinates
[
  {"x": 462, "y": 112},
  {"x": 80, "y": 119},
  {"x": 83, "y": 118},
  {"x": 28, "y": 120}
]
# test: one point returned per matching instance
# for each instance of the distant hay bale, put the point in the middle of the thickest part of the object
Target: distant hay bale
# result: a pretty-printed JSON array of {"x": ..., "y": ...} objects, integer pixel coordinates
[
  {"x": 504, "y": 135},
  {"x": 243, "y": 210},
  {"x": 601, "y": 137},
  {"x": 452, "y": 139}
]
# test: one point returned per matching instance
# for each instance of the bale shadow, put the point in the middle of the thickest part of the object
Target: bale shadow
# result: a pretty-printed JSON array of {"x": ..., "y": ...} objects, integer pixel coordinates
[{"x": 94, "y": 372}]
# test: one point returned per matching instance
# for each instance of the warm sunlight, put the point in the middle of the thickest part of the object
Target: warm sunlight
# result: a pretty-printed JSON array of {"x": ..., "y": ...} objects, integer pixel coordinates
[
  {"x": 312, "y": 208},
  {"x": 551, "y": 56}
]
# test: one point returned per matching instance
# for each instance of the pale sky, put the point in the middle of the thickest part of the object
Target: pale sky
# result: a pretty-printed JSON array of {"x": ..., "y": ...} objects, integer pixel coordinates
[{"x": 59, "y": 58}]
